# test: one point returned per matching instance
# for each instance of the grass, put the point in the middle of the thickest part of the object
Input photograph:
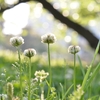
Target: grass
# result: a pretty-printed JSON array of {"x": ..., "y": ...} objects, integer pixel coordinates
[
  {"x": 61, "y": 73},
  {"x": 65, "y": 82}
]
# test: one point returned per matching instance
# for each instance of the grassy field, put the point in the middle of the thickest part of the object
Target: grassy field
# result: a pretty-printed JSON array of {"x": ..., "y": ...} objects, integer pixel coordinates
[{"x": 62, "y": 73}]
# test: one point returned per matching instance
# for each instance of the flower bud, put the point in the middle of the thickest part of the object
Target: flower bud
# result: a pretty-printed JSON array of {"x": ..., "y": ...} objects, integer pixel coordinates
[
  {"x": 73, "y": 49},
  {"x": 16, "y": 41},
  {"x": 10, "y": 91},
  {"x": 48, "y": 38},
  {"x": 29, "y": 52}
]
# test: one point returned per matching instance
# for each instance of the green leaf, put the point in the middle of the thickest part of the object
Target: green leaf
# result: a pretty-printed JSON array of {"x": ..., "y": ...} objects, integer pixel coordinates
[
  {"x": 96, "y": 52},
  {"x": 67, "y": 92},
  {"x": 81, "y": 67},
  {"x": 89, "y": 69},
  {"x": 94, "y": 97},
  {"x": 96, "y": 70}
]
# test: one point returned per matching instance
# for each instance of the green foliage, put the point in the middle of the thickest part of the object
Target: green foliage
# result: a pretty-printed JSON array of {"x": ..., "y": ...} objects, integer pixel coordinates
[
  {"x": 57, "y": 75},
  {"x": 79, "y": 10},
  {"x": 2, "y": 1},
  {"x": 61, "y": 78}
]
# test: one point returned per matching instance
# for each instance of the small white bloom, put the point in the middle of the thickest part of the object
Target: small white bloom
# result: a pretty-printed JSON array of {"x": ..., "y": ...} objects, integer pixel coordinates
[
  {"x": 41, "y": 75},
  {"x": 73, "y": 49},
  {"x": 16, "y": 41},
  {"x": 48, "y": 38},
  {"x": 29, "y": 52}
]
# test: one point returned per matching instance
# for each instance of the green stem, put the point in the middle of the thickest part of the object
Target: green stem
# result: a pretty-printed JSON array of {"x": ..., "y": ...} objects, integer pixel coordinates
[
  {"x": 89, "y": 91},
  {"x": 65, "y": 84},
  {"x": 29, "y": 90},
  {"x": 21, "y": 93},
  {"x": 42, "y": 93},
  {"x": 74, "y": 77},
  {"x": 49, "y": 67}
]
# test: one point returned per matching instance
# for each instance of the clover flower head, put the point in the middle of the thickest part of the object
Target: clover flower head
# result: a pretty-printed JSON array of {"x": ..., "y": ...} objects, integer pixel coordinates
[
  {"x": 48, "y": 38},
  {"x": 73, "y": 49},
  {"x": 16, "y": 41},
  {"x": 30, "y": 52},
  {"x": 41, "y": 75}
]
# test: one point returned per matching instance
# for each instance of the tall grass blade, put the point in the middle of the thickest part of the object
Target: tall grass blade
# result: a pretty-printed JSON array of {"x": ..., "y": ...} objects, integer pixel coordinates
[
  {"x": 64, "y": 97},
  {"x": 89, "y": 69},
  {"x": 81, "y": 66},
  {"x": 94, "y": 98},
  {"x": 62, "y": 92},
  {"x": 86, "y": 77},
  {"x": 96, "y": 52},
  {"x": 96, "y": 70}
]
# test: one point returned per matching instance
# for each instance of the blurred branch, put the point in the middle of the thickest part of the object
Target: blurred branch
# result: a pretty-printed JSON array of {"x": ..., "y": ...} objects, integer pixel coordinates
[{"x": 93, "y": 41}]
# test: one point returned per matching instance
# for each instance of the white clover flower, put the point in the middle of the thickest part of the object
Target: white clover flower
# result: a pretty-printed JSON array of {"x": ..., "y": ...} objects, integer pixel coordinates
[
  {"x": 48, "y": 38},
  {"x": 16, "y": 41},
  {"x": 73, "y": 49},
  {"x": 29, "y": 52},
  {"x": 41, "y": 75}
]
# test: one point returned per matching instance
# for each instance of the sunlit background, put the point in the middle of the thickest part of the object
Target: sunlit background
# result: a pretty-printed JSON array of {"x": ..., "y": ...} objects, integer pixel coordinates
[{"x": 31, "y": 20}]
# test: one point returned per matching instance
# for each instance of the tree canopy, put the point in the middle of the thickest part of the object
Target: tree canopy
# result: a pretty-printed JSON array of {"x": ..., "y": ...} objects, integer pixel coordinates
[{"x": 76, "y": 14}]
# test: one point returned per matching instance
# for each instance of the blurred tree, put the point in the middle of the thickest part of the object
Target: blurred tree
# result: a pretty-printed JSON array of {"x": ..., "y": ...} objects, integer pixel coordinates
[{"x": 68, "y": 20}]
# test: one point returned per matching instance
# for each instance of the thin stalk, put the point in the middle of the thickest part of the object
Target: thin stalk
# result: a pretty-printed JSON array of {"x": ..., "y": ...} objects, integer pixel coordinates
[
  {"x": 62, "y": 90},
  {"x": 49, "y": 63},
  {"x": 29, "y": 89},
  {"x": 74, "y": 77},
  {"x": 65, "y": 84},
  {"x": 49, "y": 67},
  {"x": 42, "y": 93},
  {"x": 94, "y": 73},
  {"x": 86, "y": 77},
  {"x": 21, "y": 92},
  {"x": 89, "y": 91},
  {"x": 67, "y": 92}
]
